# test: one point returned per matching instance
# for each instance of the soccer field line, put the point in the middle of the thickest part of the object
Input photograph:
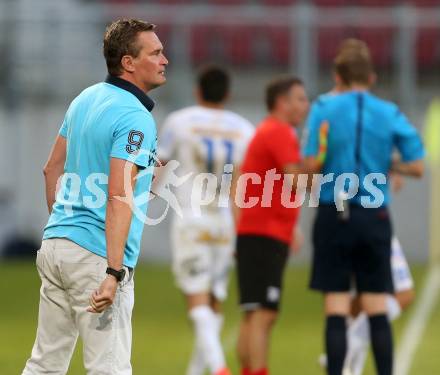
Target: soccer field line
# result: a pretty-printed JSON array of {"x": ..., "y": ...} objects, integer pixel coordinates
[{"x": 415, "y": 328}]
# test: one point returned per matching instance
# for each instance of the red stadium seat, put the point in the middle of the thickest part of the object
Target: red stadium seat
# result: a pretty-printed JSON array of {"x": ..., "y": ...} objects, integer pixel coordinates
[
  {"x": 377, "y": 3},
  {"x": 238, "y": 43},
  {"x": 329, "y": 40},
  {"x": 428, "y": 51},
  {"x": 281, "y": 44},
  {"x": 173, "y": 2},
  {"x": 164, "y": 33},
  {"x": 425, "y": 3},
  {"x": 327, "y": 3},
  {"x": 225, "y": 43},
  {"x": 201, "y": 36},
  {"x": 279, "y": 2},
  {"x": 380, "y": 41},
  {"x": 228, "y": 2}
]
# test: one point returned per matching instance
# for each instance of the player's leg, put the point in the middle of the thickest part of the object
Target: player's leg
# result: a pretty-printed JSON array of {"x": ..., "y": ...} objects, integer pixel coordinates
[
  {"x": 402, "y": 279},
  {"x": 56, "y": 333},
  {"x": 106, "y": 336},
  {"x": 333, "y": 240},
  {"x": 260, "y": 263},
  {"x": 221, "y": 263},
  {"x": 243, "y": 344},
  {"x": 207, "y": 338},
  {"x": 374, "y": 283},
  {"x": 359, "y": 330},
  {"x": 337, "y": 309},
  {"x": 261, "y": 322},
  {"x": 192, "y": 266},
  {"x": 375, "y": 306}
]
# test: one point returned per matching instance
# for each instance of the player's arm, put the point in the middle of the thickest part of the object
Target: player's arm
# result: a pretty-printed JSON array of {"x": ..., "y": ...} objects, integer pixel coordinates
[
  {"x": 119, "y": 210},
  {"x": 54, "y": 169},
  {"x": 234, "y": 186},
  {"x": 414, "y": 168},
  {"x": 410, "y": 146},
  {"x": 311, "y": 164},
  {"x": 315, "y": 144},
  {"x": 117, "y": 226},
  {"x": 134, "y": 139}
]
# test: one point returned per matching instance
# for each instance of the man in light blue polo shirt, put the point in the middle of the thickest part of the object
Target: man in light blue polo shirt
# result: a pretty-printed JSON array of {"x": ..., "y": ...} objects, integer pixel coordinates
[{"x": 98, "y": 178}]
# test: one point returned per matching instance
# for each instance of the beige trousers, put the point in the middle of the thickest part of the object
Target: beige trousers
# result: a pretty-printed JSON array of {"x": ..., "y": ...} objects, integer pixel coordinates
[{"x": 69, "y": 274}]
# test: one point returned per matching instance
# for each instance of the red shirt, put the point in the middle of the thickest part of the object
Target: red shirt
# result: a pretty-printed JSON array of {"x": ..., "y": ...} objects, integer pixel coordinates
[{"x": 274, "y": 145}]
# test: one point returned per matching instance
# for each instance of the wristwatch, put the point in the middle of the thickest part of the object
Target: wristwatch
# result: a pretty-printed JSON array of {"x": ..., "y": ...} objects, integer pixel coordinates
[{"x": 119, "y": 275}]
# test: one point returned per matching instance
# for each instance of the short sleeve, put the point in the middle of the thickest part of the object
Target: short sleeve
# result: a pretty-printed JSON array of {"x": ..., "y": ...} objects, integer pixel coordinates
[
  {"x": 311, "y": 132},
  {"x": 134, "y": 139},
  {"x": 64, "y": 127},
  {"x": 406, "y": 139},
  {"x": 285, "y": 147},
  {"x": 168, "y": 139}
]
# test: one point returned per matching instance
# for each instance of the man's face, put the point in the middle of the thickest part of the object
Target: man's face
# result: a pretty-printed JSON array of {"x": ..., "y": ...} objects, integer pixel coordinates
[
  {"x": 149, "y": 66},
  {"x": 296, "y": 105}
]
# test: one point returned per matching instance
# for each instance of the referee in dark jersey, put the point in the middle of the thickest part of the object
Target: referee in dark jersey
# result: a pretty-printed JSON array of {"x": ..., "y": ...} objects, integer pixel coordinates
[{"x": 352, "y": 230}]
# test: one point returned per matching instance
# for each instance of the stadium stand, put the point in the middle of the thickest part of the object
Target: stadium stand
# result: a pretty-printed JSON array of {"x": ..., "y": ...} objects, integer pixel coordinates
[{"x": 428, "y": 52}]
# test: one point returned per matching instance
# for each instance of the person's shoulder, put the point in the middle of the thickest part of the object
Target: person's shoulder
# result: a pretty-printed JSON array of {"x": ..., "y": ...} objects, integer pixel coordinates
[
  {"x": 383, "y": 106},
  {"x": 239, "y": 121},
  {"x": 322, "y": 99},
  {"x": 87, "y": 94},
  {"x": 183, "y": 114},
  {"x": 326, "y": 101},
  {"x": 117, "y": 98}
]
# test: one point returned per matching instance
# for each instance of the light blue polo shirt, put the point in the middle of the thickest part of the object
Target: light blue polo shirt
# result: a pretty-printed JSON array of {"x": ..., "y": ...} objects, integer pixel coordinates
[
  {"x": 111, "y": 119},
  {"x": 364, "y": 131}
]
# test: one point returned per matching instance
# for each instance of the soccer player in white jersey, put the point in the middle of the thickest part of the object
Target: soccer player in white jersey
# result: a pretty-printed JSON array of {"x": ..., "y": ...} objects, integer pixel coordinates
[{"x": 205, "y": 139}]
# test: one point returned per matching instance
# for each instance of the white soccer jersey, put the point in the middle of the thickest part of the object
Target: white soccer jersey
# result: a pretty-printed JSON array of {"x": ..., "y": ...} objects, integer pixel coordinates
[{"x": 203, "y": 140}]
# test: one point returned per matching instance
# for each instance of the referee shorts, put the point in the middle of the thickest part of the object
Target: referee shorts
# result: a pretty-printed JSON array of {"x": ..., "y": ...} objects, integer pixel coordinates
[{"x": 353, "y": 251}]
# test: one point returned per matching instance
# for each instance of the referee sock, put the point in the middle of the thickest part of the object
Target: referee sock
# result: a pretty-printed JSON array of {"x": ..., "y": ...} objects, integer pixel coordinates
[
  {"x": 207, "y": 337},
  {"x": 382, "y": 343},
  {"x": 336, "y": 343}
]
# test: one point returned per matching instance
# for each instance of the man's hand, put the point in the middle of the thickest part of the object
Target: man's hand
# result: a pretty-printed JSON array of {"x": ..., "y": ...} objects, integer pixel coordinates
[
  {"x": 102, "y": 298},
  {"x": 397, "y": 182}
]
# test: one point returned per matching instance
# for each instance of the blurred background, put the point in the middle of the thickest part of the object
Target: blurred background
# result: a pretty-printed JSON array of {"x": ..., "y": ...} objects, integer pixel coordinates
[{"x": 52, "y": 51}]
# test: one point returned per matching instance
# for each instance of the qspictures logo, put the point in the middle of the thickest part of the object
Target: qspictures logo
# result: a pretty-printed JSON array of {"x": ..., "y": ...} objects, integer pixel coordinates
[{"x": 158, "y": 181}]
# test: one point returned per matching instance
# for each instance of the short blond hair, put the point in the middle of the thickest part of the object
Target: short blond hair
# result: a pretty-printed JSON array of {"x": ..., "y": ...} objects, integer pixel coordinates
[{"x": 353, "y": 62}]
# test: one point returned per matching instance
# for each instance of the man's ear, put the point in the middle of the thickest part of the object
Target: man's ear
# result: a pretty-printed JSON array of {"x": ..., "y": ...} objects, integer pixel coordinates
[
  {"x": 197, "y": 94},
  {"x": 339, "y": 83},
  {"x": 372, "y": 79},
  {"x": 127, "y": 63}
]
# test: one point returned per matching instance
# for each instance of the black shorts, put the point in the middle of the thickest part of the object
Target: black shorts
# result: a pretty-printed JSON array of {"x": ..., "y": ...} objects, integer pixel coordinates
[
  {"x": 260, "y": 267},
  {"x": 352, "y": 252}
]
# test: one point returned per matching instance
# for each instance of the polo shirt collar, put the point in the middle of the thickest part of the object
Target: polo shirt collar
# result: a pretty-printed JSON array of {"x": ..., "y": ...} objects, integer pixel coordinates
[{"x": 146, "y": 101}]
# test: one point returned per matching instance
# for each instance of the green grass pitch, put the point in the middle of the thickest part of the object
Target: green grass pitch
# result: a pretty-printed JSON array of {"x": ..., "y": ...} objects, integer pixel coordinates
[{"x": 162, "y": 335}]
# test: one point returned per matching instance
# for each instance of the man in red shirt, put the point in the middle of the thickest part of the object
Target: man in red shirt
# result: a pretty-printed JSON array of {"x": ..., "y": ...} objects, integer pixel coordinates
[{"x": 266, "y": 219}]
